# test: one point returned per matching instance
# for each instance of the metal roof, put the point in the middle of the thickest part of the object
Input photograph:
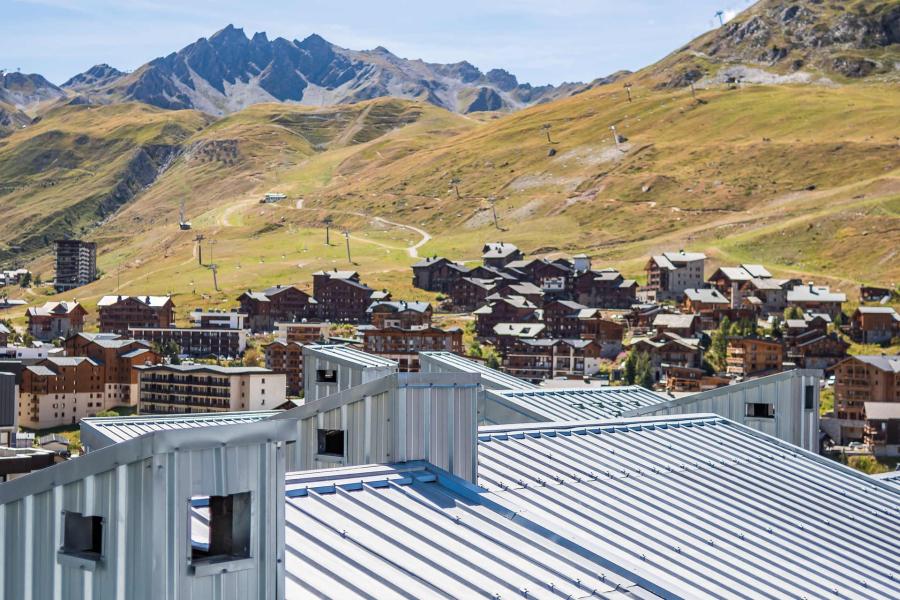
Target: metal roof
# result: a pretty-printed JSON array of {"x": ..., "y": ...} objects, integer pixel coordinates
[
  {"x": 447, "y": 361},
  {"x": 349, "y": 355},
  {"x": 578, "y": 404},
  {"x": 706, "y": 295},
  {"x": 120, "y": 429},
  {"x": 700, "y": 506},
  {"x": 892, "y": 478},
  {"x": 407, "y": 532},
  {"x": 882, "y": 411},
  {"x": 811, "y": 293},
  {"x": 153, "y": 301}
]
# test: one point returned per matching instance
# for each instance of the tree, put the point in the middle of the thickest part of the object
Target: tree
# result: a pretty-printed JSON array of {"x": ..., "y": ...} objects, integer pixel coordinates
[
  {"x": 718, "y": 347},
  {"x": 775, "y": 329},
  {"x": 838, "y": 321},
  {"x": 793, "y": 312},
  {"x": 629, "y": 368},
  {"x": 491, "y": 357},
  {"x": 26, "y": 280},
  {"x": 644, "y": 371}
]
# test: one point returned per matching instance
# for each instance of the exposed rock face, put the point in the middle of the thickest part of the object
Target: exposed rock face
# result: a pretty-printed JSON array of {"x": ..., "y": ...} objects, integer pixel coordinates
[
  {"x": 826, "y": 36},
  {"x": 230, "y": 71},
  {"x": 487, "y": 100},
  {"x": 23, "y": 91},
  {"x": 97, "y": 76}
]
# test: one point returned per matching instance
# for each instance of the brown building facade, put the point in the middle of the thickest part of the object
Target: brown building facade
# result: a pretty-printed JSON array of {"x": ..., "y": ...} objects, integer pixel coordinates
[
  {"x": 118, "y": 313},
  {"x": 753, "y": 356},
  {"x": 55, "y": 320},
  {"x": 284, "y": 303}
]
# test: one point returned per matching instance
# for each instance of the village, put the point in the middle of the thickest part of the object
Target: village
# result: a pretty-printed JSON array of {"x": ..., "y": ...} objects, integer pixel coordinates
[{"x": 554, "y": 323}]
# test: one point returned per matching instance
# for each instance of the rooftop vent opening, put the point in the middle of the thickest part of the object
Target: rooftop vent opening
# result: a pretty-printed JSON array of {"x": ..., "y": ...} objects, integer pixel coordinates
[
  {"x": 82, "y": 537},
  {"x": 326, "y": 376},
  {"x": 760, "y": 410},
  {"x": 220, "y": 528},
  {"x": 330, "y": 442}
]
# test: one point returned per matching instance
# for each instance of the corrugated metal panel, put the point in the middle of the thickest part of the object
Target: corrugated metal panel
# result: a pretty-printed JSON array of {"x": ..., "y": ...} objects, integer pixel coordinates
[
  {"x": 351, "y": 367},
  {"x": 702, "y": 504},
  {"x": 792, "y": 422},
  {"x": 892, "y": 479},
  {"x": 141, "y": 489},
  {"x": 576, "y": 404},
  {"x": 99, "y": 432},
  {"x": 383, "y": 532},
  {"x": 447, "y": 362}
]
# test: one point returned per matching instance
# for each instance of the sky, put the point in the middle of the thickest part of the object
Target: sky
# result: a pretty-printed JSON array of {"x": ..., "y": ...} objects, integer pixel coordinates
[{"x": 540, "y": 41}]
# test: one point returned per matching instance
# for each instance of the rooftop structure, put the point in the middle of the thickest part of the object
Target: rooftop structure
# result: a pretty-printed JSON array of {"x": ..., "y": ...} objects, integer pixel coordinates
[
  {"x": 574, "y": 404},
  {"x": 100, "y": 432},
  {"x": 329, "y": 369},
  {"x": 491, "y": 379}
]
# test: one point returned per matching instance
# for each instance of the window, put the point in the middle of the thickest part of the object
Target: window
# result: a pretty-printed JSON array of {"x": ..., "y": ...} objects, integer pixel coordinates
[
  {"x": 809, "y": 397},
  {"x": 220, "y": 530},
  {"x": 331, "y": 442},
  {"x": 82, "y": 543},
  {"x": 326, "y": 376},
  {"x": 760, "y": 410}
]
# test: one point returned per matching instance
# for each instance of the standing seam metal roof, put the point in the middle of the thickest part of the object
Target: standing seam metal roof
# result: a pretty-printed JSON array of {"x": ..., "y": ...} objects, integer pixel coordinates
[
  {"x": 703, "y": 506},
  {"x": 120, "y": 429},
  {"x": 454, "y": 362},
  {"x": 383, "y": 532},
  {"x": 581, "y": 403}
]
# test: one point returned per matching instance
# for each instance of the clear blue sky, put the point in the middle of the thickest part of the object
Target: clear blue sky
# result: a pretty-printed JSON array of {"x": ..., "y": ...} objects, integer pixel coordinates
[{"x": 540, "y": 41}]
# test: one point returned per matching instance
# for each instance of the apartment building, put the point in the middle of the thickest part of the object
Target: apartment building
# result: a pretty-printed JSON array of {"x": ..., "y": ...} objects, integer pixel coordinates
[
  {"x": 55, "y": 320},
  {"x": 285, "y": 303},
  {"x": 305, "y": 332},
  {"x": 119, "y": 313},
  {"x": 400, "y": 314},
  {"x": 195, "y": 342},
  {"x": 342, "y": 297},
  {"x": 535, "y": 360},
  {"x": 471, "y": 292},
  {"x": 286, "y": 358},
  {"x": 76, "y": 264},
  {"x": 604, "y": 288},
  {"x": 670, "y": 273},
  {"x": 860, "y": 379},
  {"x": 189, "y": 388},
  {"x": 118, "y": 356},
  {"x": 816, "y": 299},
  {"x": 403, "y": 345},
  {"x": 61, "y": 390},
  {"x": 218, "y": 319},
  {"x": 753, "y": 356},
  {"x": 437, "y": 274}
]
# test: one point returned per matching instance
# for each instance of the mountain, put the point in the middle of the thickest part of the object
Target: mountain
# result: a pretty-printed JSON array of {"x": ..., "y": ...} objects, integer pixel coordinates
[
  {"x": 230, "y": 71},
  {"x": 96, "y": 77},
  {"x": 11, "y": 119},
  {"x": 25, "y": 91},
  {"x": 794, "y": 41}
]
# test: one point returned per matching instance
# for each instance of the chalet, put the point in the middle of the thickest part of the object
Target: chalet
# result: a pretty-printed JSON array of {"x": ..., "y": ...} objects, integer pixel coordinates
[
  {"x": 499, "y": 254},
  {"x": 499, "y": 275},
  {"x": 667, "y": 348},
  {"x": 513, "y": 309},
  {"x": 118, "y": 313},
  {"x": 682, "y": 325},
  {"x": 691, "y": 379},
  {"x": 640, "y": 317},
  {"x": 753, "y": 356},
  {"x": 868, "y": 293},
  {"x": 772, "y": 293},
  {"x": 538, "y": 359},
  {"x": 815, "y": 298},
  {"x": 55, "y": 320},
  {"x": 285, "y": 303},
  {"x": 670, "y": 273},
  {"x": 403, "y": 345},
  {"x": 400, "y": 314},
  {"x": 342, "y": 297},
  {"x": 471, "y": 292},
  {"x": 118, "y": 355},
  {"x": 815, "y": 349},
  {"x": 562, "y": 318},
  {"x": 860, "y": 379},
  {"x": 437, "y": 274},
  {"x": 525, "y": 289},
  {"x": 553, "y": 277},
  {"x": 605, "y": 288},
  {"x": 708, "y": 303},
  {"x": 730, "y": 280},
  {"x": 874, "y": 324},
  {"x": 603, "y": 329},
  {"x": 881, "y": 432},
  {"x": 507, "y": 334},
  {"x": 305, "y": 332}
]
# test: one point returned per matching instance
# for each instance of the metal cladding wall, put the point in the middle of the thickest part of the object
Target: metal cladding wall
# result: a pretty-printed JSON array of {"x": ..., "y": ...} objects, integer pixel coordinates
[
  {"x": 401, "y": 417},
  {"x": 142, "y": 489},
  {"x": 8, "y": 400},
  {"x": 352, "y": 367},
  {"x": 792, "y": 423}
]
